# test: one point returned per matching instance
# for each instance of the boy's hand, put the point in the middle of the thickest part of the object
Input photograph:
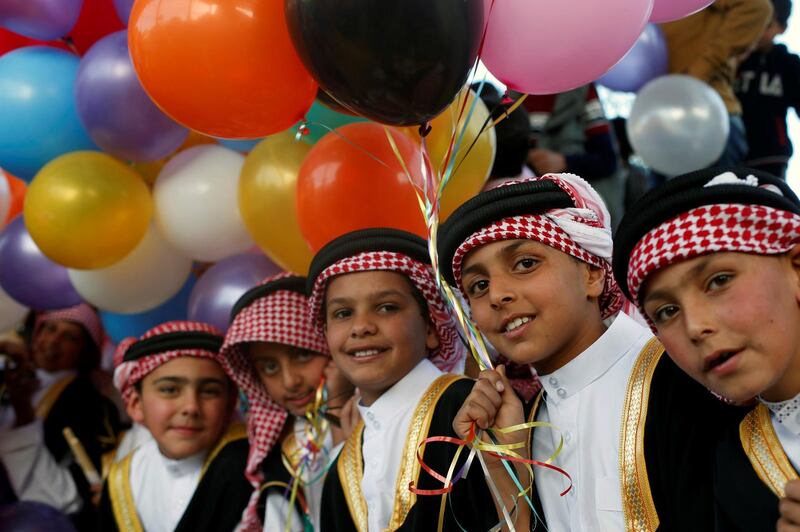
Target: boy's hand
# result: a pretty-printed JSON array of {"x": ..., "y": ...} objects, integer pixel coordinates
[
  {"x": 492, "y": 404},
  {"x": 339, "y": 388},
  {"x": 350, "y": 416},
  {"x": 789, "y": 508},
  {"x": 21, "y": 382}
]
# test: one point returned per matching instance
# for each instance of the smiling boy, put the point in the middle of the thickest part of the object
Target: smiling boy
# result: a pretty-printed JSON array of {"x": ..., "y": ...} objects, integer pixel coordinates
[
  {"x": 389, "y": 332},
  {"x": 279, "y": 359},
  {"x": 533, "y": 260},
  {"x": 190, "y": 476}
]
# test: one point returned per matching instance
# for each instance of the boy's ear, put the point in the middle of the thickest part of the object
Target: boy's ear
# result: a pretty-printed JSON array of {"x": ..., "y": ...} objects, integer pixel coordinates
[
  {"x": 431, "y": 337},
  {"x": 134, "y": 408},
  {"x": 794, "y": 259},
  {"x": 595, "y": 281}
]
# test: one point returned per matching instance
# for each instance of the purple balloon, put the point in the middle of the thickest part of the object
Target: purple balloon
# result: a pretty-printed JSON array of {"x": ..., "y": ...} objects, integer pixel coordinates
[
  {"x": 224, "y": 283},
  {"x": 647, "y": 60},
  {"x": 28, "y": 276},
  {"x": 29, "y": 516},
  {"x": 40, "y": 19},
  {"x": 123, "y": 8},
  {"x": 115, "y": 110}
]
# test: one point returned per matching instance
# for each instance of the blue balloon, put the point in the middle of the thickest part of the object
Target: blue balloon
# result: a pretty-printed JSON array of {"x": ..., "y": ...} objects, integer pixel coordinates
[
  {"x": 244, "y": 146},
  {"x": 37, "y": 109},
  {"x": 119, "y": 326}
]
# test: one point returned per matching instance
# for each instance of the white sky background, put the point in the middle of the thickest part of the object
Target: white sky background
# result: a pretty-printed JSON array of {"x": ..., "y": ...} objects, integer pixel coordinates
[{"x": 617, "y": 104}]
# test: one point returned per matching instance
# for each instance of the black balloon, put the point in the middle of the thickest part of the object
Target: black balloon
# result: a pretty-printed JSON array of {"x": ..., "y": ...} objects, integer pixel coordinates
[{"x": 399, "y": 62}]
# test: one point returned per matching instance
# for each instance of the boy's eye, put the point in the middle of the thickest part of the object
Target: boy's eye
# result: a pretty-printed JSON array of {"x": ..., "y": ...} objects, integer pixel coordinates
[
  {"x": 168, "y": 390},
  {"x": 719, "y": 280},
  {"x": 342, "y": 313},
  {"x": 386, "y": 308},
  {"x": 664, "y": 313},
  {"x": 477, "y": 287},
  {"x": 525, "y": 263},
  {"x": 267, "y": 367},
  {"x": 211, "y": 391},
  {"x": 303, "y": 356}
]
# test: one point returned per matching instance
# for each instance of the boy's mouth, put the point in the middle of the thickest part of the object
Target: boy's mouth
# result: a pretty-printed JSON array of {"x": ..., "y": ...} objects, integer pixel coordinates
[
  {"x": 515, "y": 323},
  {"x": 300, "y": 400},
  {"x": 366, "y": 353},
  {"x": 715, "y": 360}
]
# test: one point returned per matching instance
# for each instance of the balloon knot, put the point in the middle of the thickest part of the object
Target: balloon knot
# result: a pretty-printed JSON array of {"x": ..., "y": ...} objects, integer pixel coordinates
[{"x": 424, "y": 129}]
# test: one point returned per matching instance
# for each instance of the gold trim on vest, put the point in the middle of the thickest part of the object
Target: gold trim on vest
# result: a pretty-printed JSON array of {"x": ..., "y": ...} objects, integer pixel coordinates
[{"x": 764, "y": 450}]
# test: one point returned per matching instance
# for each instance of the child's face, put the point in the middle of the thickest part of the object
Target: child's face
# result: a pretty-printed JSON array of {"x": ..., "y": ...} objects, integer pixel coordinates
[
  {"x": 534, "y": 303},
  {"x": 731, "y": 321},
  {"x": 375, "y": 329},
  {"x": 58, "y": 345},
  {"x": 768, "y": 37},
  {"x": 289, "y": 374},
  {"x": 186, "y": 405}
]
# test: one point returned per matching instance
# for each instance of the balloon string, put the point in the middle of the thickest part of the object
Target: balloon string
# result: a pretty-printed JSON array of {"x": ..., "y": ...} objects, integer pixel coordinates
[
  {"x": 305, "y": 124},
  {"x": 505, "y": 453}
]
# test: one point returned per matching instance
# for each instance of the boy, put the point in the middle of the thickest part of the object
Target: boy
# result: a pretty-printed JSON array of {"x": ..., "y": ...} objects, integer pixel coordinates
[
  {"x": 279, "y": 358},
  {"x": 712, "y": 259},
  {"x": 373, "y": 293},
  {"x": 191, "y": 475},
  {"x": 768, "y": 84},
  {"x": 533, "y": 260},
  {"x": 48, "y": 390}
]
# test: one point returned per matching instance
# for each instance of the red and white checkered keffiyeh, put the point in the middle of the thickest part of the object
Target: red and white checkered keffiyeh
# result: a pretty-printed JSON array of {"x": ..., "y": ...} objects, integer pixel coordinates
[
  {"x": 709, "y": 229},
  {"x": 451, "y": 350},
  {"x": 583, "y": 232},
  {"x": 127, "y": 374},
  {"x": 81, "y": 314},
  {"x": 280, "y": 317}
]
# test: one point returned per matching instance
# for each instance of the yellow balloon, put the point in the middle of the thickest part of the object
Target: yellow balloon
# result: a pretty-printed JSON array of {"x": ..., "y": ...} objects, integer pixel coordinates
[
  {"x": 472, "y": 162},
  {"x": 86, "y": 210},
  {"x": 267, "y": 200}
]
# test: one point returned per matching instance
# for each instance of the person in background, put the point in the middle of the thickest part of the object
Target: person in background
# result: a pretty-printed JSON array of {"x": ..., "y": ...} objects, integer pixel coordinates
[
  {"x": 48, "y": 388},
  {"x": 709, "y": 46},
  {"x": 768, "y": 85}
]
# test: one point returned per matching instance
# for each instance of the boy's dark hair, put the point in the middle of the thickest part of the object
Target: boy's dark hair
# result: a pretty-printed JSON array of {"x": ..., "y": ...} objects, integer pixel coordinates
[
  {"x": 512, "y": 133},
  {"x": 783, "y": 10}
]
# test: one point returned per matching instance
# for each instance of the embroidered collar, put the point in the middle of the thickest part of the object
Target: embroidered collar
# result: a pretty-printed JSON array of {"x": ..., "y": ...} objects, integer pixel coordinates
[{"x": 787, "y": 413}]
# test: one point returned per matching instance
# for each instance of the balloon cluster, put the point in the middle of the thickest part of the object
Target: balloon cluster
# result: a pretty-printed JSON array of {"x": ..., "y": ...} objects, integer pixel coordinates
[{"x": 165, "y": 156}]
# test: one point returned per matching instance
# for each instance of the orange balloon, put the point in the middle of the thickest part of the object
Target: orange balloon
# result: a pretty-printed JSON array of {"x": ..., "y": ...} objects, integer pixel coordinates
[
  {"x": 226, "y": 68},
  {"x": 342, "y": 187},
  {"x": 17, "y": 187}
]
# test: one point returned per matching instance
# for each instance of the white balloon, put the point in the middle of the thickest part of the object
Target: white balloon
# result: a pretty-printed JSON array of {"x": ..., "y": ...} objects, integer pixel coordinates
[
  {"x": 197, "y": 206},
  {"x": 11, "y": 312},
  {"x": 678, "y": 124},
  {"x": 147, "y": 277}
]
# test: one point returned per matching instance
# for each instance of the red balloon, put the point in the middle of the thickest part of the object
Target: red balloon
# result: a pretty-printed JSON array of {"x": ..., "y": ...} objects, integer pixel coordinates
[
  {"x": 342, "y": 187},
  {"x": 11, "y": 41},
  {"x": 97, "y": 19},
  {"x": 17, "y": 187}
]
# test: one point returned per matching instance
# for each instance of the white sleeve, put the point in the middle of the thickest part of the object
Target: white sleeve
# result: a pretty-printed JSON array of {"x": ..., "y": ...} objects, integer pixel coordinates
[
  {"x": 277, "y": 514},
  {"x": 33, "y": 472}
]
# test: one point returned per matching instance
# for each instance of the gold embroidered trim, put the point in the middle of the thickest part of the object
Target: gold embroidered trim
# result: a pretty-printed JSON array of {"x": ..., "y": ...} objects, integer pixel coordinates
[
  {"x": 351, "y": 464},
  {"x": 351, "y": 470},
  {"x": 764, "y": 450},
  {"x": 637, "y": 500},
  {"x": 237, "y": 431},
  {"x": 119, "y": 489},
  {"x": 51, "y": 396}
]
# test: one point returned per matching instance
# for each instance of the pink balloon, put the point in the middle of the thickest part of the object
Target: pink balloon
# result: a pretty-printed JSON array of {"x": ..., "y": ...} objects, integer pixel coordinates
[
  {"x": 667, "y": 10},
  {"x": 552, "y": 46}
]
